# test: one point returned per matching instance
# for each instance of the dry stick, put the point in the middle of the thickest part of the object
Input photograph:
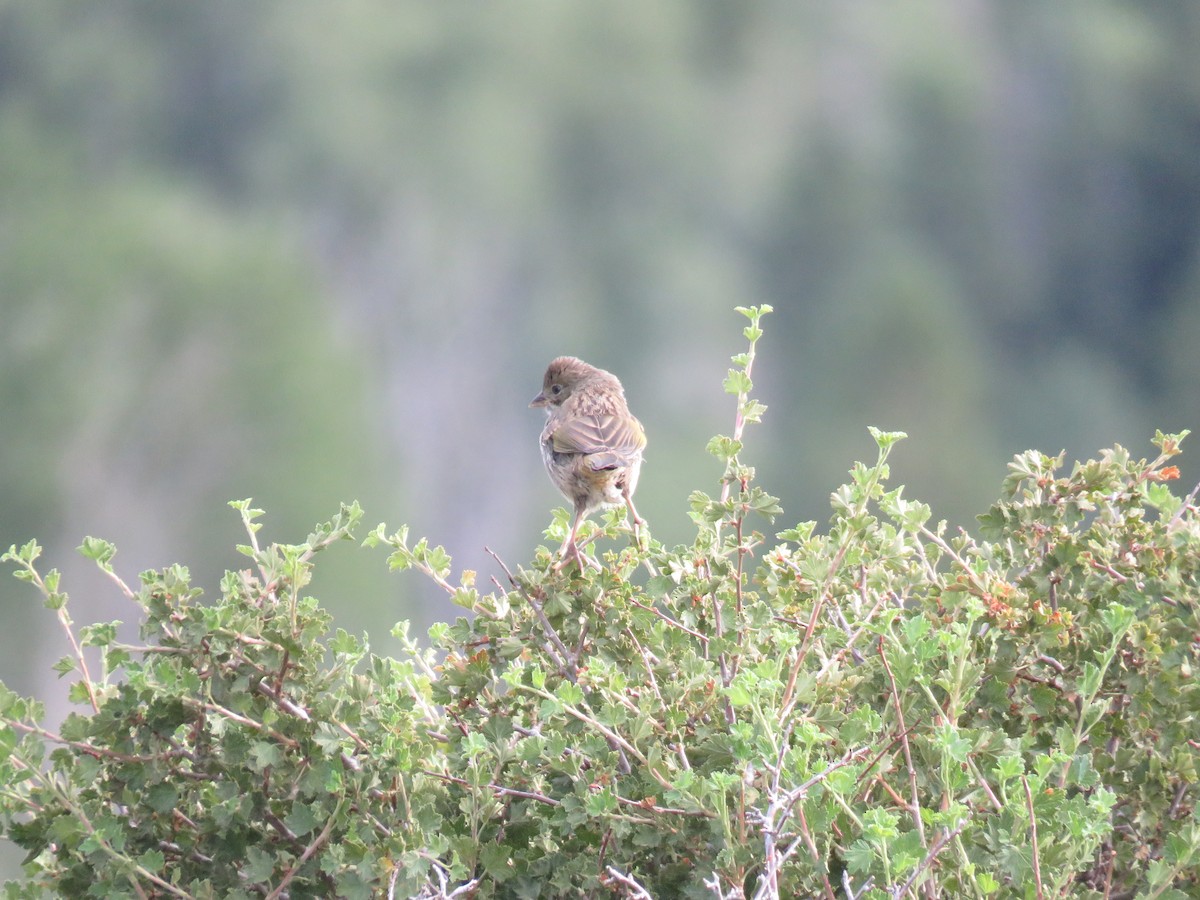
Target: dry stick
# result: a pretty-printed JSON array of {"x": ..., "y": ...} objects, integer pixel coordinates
[
  {"x": 633, "y": 888},
  {"x": 1108, "y": 868},
  {"x": 854, "y": 637},
  {"x": 672, "y": 622},
  {"x": 938, "y": 845},
  {"x": 498, "y": 788},
  {"x": 806, "y": 833},
  {"x": 305, "y": 856},
  {"x": 1037, "y": 865},
  {"x": 987, "y": 788},
  {"x": 915, "y": 806},
  {"x": 781, "y": 807},
  {"x": 566, "y": 662},
  {"x": 1177, "y": 801},
  {"x": 770, "y": 881}
]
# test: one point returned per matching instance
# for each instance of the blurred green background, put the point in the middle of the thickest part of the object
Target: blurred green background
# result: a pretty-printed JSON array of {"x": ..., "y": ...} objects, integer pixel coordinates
[{"x": 312, "y": 252}]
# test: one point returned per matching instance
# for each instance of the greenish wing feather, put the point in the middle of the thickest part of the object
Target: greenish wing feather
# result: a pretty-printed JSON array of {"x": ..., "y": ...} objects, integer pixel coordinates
[{"x": 620, "y": 435}]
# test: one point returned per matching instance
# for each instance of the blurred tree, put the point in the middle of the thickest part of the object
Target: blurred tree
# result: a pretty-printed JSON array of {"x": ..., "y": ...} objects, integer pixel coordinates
[{"x": 156, "y": 358}]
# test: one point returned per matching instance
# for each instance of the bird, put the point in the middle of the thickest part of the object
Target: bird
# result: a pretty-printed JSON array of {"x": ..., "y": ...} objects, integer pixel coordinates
[{"x": 591, "y": 445}]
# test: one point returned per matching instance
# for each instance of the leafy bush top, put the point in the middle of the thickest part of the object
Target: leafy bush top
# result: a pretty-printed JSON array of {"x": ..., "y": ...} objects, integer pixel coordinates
[{"x": 885, "y": 708}]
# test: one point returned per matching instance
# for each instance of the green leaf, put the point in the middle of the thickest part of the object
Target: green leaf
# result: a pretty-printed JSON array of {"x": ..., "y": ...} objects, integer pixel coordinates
[
  {"x": 264, "y": 754},
  {"x": 860, "y": 857},
  {"x": 152, "y": 861},
  {"x": 99, "y": 551},
  {"x": 737, "y": 382},
  {"x": 162, "y": 797},
  {"x": 752, "y": 411},
  {"x": 724, "y": 448},
  {"x": 259, "y": 865},
  {"x": 302, "y": 819},
  {"x": 569, "y": 693},
  {"x": 1118, "y": 619},
  {"x": 885, "y": 439}
]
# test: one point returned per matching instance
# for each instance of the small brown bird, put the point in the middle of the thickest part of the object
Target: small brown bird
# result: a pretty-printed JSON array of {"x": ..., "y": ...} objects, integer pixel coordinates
[{"x": 592, "y": 445}]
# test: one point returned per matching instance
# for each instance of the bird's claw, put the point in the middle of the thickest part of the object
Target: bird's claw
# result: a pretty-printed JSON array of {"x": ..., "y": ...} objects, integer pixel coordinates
[{"x": 571, "y": 552}]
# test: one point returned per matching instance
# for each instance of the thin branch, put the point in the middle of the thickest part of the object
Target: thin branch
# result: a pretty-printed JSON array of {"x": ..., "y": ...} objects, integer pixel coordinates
[
  {"x": 862, "y": 628},
  {"x": 1037, "y": 863},
  {"x": 632, "y": 886},
  {"x": 987, "y": 788},
  {"x": 243, "y": 720},
  {"x": 1183, "y": 508},
  {"x": 938, "y": 845},
  {"x": 665, "y": 810},
  {"x": 121, "y": 585},
  {"x": 305, "y": 856},
  {"x": 852, "y": 894},
  {"x": 915, "y": 803},
  {"x": 566, "y": 663},
  {"x": 672, "y": 622},
  {"x": 497, "y": 788},
  {"x": 101, "y": 752}
]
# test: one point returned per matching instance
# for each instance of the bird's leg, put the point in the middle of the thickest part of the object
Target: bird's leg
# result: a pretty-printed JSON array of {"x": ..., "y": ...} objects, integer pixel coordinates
[
  {"x": 637, "y": 520},
  {"x": 570, "y": 549}
]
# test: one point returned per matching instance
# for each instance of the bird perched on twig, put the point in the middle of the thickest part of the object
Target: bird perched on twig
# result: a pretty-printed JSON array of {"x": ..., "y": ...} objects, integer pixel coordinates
[{"x": 592, "y": 445}]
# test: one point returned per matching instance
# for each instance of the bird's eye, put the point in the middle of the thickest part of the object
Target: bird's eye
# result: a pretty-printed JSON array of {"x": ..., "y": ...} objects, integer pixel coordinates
[{"x": 556, "y": 390}]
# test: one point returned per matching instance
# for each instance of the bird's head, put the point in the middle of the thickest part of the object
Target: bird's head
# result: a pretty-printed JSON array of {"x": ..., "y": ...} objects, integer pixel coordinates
[{"x": 563, "y": 376}]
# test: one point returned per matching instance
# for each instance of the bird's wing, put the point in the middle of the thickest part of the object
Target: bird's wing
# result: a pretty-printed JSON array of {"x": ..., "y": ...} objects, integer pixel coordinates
[{"x": 619, "y": 435}]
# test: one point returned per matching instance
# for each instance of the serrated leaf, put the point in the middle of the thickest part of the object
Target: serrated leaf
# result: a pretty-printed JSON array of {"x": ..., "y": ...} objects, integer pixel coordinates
[
  {"x": 97, "y": 550},
  {"x": 737, "y": 382},
  {"x": 301, "y": 820}
]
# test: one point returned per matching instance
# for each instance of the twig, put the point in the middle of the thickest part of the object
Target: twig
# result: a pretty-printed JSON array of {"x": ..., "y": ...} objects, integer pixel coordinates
[
  {"x": 243, "y": 720},
  {"x": 915, "y": 804},
  {"x": 806, "y": 833},
  {"x": 1177, "y": 801},
  {"x": 783, "y": 802},
  {"x": 987, "y": 788},
  {"x": 853, "y": 638},
  {"x": 497, "y": 788},
  {"x": 634, "y": 889},
  {"x": 121, "y": 585},
  {"x": 672, "y": 622},
  {"x": 439, "y": 869},
  {"x": 646, "y": 655},
  {"x": 566, "y": 662},
  {"x": 1183, "y": 507},
  {"x": 665, "y": 810},
  {"x": 1037, "y": 863},
  {"x": 305, "y": 856},
  {"x": 941, "y": 842},
  {"x": 852, "y": 894},
  {"x": 507, "y": 573}
]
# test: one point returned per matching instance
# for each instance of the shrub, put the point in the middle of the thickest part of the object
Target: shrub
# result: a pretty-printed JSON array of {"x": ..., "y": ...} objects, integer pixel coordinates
[{"x": 884, "y": 708}]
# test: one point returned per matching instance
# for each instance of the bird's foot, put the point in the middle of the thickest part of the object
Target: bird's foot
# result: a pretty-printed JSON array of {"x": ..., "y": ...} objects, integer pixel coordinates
[{"x": 572, "y": 553}]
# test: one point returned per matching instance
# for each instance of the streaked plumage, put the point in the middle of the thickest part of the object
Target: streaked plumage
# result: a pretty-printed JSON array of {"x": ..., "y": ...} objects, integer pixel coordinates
[{"x": 591, "y": 445}]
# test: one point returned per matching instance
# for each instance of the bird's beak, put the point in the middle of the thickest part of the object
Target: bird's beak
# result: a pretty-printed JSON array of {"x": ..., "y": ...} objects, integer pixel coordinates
[{"x": 539, "y": 400}]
